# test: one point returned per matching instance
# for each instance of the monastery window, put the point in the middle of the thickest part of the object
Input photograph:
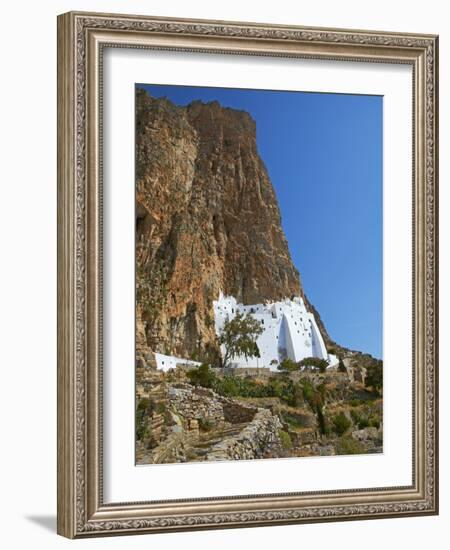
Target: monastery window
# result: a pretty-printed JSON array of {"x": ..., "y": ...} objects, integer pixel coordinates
[
  {"x": 252, "y": 310},
  {"x": 262, "y": 321}
]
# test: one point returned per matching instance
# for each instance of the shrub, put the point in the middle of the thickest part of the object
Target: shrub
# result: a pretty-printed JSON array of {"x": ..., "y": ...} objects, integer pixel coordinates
[
  {"x": 287, "y": 365},
  {"x": 365, "y": 417},
  {"x": 363, "y": 423},
  {"x": 143, "y": 412},
  {"x": 205, "y": 424},
  {"x": 227, "y": 386},
  {"x": 349, "y": 446},
  {"x": 201, "y": 376},
  {"x": 374, "y": 376},
  {"x": 374, "y": 423},
  {"x": 341, "y": 424},
  {"x": 143, "y": 404},
  {"x": 294, "y": 420},
  {"x": 308, "y": 390},
  {"x": 297, "y": 396},
  {"x": 315, "y": 397},
  {"x": 160, "y": 407},
  {"x": 285, "y": 438},
  {"x": 320, "y": 364},
  {"x": 231, "y": 386}
]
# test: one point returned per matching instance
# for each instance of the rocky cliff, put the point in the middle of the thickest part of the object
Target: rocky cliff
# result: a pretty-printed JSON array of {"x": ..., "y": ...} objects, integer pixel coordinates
[{"x": 207, "y": 220}]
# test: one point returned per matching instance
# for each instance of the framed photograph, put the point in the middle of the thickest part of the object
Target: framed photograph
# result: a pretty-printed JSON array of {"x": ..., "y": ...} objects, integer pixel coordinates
[{"x": 247, "y": 276}]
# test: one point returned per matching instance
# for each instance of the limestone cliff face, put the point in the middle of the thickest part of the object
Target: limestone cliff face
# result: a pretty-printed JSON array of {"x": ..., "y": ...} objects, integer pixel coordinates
[{"x": 207, "y": 220}]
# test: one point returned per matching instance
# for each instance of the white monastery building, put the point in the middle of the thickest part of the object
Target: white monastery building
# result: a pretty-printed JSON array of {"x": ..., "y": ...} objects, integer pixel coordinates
[
  {"x": 290, "y": 331},
  {"x": 168, "y": 362}
]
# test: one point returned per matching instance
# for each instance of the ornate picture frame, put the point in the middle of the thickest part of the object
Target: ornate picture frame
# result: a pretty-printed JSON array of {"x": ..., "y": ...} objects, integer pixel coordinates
[{"x": 82, "y": 39}]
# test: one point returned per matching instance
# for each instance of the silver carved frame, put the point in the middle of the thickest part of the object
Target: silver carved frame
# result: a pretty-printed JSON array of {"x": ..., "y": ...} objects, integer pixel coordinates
[{"x": 81, "y": 39}]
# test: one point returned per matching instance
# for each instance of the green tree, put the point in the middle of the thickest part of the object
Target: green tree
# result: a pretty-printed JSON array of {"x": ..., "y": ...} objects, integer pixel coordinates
[
  {"x": 315, "y": 397},
  {"x": 144, "y": 411},
  {"x": 238, "y": 336},
  {"x": 374, "y": 376}
]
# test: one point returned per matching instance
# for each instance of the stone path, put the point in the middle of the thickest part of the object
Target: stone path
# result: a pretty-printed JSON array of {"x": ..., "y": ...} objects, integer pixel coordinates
[{"x": 206, "y": 441}]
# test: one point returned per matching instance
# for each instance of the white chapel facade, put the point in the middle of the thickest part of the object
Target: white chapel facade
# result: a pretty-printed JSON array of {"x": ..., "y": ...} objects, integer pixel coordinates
[{"x": 289, "y": 331}]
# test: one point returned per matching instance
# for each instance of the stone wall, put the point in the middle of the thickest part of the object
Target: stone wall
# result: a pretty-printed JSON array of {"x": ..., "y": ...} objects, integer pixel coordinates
[
  {"x": 195, "y": 403},
  {"x": 254, "y": 441},
  {"x": 236, "y": 413},
  {"x": 204, "y": 404},
  {"x": 259, "y": 433},
  {"x": 261, "y": 372}
]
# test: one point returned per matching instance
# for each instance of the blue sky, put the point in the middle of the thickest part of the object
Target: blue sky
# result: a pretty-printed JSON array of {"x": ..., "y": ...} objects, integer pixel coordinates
[{"x": 323, "y": 153}]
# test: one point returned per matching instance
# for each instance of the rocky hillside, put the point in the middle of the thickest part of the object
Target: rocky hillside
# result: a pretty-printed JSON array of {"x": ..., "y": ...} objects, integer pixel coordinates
[
  {"x": 207, "y": 220},
  {"x": 186, "y": 415}
]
